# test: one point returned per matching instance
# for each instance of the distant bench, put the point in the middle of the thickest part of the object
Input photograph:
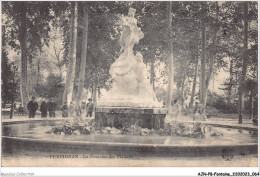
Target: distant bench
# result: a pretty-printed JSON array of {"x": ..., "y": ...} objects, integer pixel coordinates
[{"x": 19, "y": 111}]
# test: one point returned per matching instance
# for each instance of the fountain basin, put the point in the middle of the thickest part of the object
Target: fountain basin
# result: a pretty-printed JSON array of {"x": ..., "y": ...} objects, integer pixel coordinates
[
  {"x": 120, "y": 117},
  {"x": 126, "y": 148},
  {"x": 31, "y": 136}
]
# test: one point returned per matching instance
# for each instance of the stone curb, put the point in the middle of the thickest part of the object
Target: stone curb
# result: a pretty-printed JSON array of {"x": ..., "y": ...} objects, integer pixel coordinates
[{"x": 138, "y": 149}]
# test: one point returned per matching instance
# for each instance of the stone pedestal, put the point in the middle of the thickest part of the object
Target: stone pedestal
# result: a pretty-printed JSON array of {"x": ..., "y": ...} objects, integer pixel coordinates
[{"x": 120, "y": 117}]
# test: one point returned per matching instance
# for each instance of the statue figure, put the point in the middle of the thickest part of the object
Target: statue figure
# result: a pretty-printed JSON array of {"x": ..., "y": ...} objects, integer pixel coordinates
[
  {"x": 131, "y": 33},
  {"x": 130, "y": 87},
  {"x": 130, "y": 36}
]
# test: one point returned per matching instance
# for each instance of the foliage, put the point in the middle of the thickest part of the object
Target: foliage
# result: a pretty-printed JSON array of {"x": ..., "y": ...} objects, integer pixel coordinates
[
  {"x": 8, "y": 87},
  {"x": 233, "y": 38},
  {"x": 221, "y": 103},
  {"x": 37, "y": 24},
  {"x": 51, "y": 88},
  {"x": 9, "y": 84},
  {"x": 74, "y": 126},
  {"x": 77, "y": 126}
]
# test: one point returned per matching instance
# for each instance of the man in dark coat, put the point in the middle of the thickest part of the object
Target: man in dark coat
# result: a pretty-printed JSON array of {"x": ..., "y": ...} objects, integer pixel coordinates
[
  {"x": 65, "y": 110},
  {"x": 32, "y": 107},
  {"x": 44, "y": 108},
  {"x": 90, "y": 107},
  {"x": 20, "y": 110},
  {"x": 51, "y": 108}
]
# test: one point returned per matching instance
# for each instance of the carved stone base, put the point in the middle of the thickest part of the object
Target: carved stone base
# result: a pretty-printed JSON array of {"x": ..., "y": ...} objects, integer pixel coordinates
[{"x": 125, "y": 117}]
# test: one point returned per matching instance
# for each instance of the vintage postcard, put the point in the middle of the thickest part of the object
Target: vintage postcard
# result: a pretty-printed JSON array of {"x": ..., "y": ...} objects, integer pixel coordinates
[{"x": 129, "y": 84}]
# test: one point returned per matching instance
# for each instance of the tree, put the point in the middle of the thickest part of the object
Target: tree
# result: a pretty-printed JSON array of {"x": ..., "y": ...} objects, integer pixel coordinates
[
  {"x": 7, "y": 73},
  {"x": 244, "y": 62},
  {"x": 194, "y": 84},
  {"x": 72, "y": 55},
  {"x": 26, "y": 22},
  {"x": 22, "y": 39},
  {"x": 153, "y": 46},
  {"x": 83, "y": 56},
  {"x": 103, "y": 47},
  {"x": 203, "y": 55},
  {"x": 170, "y": 82},
  {"x": 213, "y": 53},
  {"x": 233, "y": 28}
]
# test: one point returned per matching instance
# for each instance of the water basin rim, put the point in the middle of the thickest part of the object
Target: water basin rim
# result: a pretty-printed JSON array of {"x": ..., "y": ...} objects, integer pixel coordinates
[
  {"x": 126, "y": 144},
  {"x": 131, "y": 110},
  {"x": 223, "y": 125},
  {"x": 130, "y": 107},
  {"x": 11, "y": 121}
]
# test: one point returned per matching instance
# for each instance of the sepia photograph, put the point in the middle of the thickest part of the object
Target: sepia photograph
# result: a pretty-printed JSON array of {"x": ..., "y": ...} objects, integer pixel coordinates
[{"x": 129, "y": 84}]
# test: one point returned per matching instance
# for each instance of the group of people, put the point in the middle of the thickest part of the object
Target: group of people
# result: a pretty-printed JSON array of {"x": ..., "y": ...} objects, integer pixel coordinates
[
  {"x": 32, "y": 107},
  {"x": 67, "y": 111},
  {"x": 78, "y": 110}
]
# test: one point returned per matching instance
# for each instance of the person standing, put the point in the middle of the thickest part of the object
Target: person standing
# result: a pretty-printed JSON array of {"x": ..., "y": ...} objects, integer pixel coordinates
[
  {"x": 44, "y": 108},
  {"x": 196, "y": 107},
  {"x": 20, "y": 110},
  {"x": 65, "y": 110},
  {"x": 90, "y": 107},
  {"x": 83, "y": 109},
  {"x": 32, "y": 106},
  {"x": 51, "y": 108},
  {"x": 78, "y": 111},
  {"x": 71, "y": 109}
]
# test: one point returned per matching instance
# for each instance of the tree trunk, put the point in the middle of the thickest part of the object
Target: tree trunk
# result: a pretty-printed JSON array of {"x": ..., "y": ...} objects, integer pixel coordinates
[
  {"x": 75, "y": 90},
  {"x": 152, "y": 73},
  {"x": 170, "y": 81},
  {"x": 99, "y": 92},
  {"x": 244, "y": 63},
  {"x": 83, "y": 57},
  {"x": 72, "y": 57},
  {"x": 194, "y": 83},
  {"x": 205, "y": 92},
  {"x": 92, "y": 89},
  {"x": 230, "y": 80},
  {"x": 95, "y": 94},
  {"x": 243, "y": 101},
  {"x": 22, "y": 40},
  {"x": 39, "y": 68},
  {"x": 203, "y": 64},
  {"x": 184, "y": 77},
  {"x": 251, "y": 104},
  {"x": 64, "y": 98},
  {"x": 182, "y": 90},
  {"x": 94, "y": 98},
  {"x": 212, "y": 59},
  {"x": 57, "y": 57}
]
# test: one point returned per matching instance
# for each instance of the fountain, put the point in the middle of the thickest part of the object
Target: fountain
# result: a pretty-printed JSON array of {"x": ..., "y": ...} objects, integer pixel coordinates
[
  {"x": 131, "y": 101},
  {"x": 130, "y": 105}
]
